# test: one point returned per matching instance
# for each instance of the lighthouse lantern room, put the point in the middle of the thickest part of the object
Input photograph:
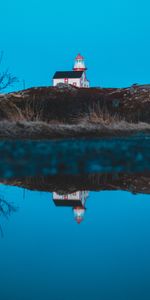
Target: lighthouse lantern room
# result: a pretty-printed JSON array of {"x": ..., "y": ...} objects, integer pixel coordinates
[
  {"x": 76, "y": 77},
  {"x": 79, "y": 64}
]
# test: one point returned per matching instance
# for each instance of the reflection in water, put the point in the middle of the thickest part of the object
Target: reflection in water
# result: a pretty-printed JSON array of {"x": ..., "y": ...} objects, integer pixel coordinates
[
  {"x": 72, "y": 190},
  {"x": 6, "y": 209},
  {"x": 108, "y": 257},
  {"x": 44, "y": 249},
  {"x": 67, "y": 184},
  {"x": 34, "y": 158},
  {"x": 77, "y": 200}
]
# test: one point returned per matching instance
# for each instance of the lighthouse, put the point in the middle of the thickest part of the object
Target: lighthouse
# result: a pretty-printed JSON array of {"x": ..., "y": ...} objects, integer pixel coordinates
[
  {"x": 75, "y": 200},
  {"x": 76, "y": 77},
  {"x": 79, "y": 213}
]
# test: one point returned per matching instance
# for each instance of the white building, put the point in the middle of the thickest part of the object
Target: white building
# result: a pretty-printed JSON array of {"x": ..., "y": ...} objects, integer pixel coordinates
[
  {"x": 76, "y": 200},
  {"x": 77, "y": 77}
]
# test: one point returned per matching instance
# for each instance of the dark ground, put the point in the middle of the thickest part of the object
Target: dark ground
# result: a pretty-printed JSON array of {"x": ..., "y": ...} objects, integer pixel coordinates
[
  {"x": 66, "y": 111},
  {"x": 134, "y": 183}
]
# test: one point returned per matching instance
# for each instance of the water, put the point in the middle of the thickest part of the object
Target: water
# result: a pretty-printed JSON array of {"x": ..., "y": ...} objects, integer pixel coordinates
[{"x": 44, "y": 252}]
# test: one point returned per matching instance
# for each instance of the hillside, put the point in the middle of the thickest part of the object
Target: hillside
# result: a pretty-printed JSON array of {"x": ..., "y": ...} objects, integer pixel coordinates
[{"x": 51, "y": 112}]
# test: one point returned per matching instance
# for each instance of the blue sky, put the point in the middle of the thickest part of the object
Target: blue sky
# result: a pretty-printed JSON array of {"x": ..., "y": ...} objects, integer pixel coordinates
[{"x": 40, "y": 37}]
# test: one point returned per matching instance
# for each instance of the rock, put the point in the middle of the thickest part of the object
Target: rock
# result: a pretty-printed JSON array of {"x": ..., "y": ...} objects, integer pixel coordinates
[{"x": 65, "y": 86}]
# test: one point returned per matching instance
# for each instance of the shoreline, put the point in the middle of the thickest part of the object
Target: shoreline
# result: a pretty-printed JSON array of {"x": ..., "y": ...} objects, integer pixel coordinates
[{"x": 41, "y": 130}]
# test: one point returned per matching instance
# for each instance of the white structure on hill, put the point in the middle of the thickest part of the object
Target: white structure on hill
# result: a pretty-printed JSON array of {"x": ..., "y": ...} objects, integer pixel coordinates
[
  {"x": 77, "y": 77},
  {"x": 76, "y": 200}
]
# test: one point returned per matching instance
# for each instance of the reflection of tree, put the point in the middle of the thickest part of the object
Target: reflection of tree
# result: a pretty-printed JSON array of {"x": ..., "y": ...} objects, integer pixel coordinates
[{"x": 6, "y": 209}]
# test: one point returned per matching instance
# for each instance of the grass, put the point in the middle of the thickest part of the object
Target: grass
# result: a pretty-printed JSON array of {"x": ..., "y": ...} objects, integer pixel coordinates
[
  {"x": 28, "y": 122},
  {"x": 42, "y": 130},
  {"x": 32, "y": 111},
  {"x": 96, "y": 115}
]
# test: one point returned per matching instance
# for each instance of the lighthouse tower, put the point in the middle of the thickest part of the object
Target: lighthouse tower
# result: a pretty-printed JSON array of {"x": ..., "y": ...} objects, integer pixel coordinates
[
  {"x": 79, "y": 214},
  {"x": 79, "y": 64},
  {"x": 79, "y": 211}
]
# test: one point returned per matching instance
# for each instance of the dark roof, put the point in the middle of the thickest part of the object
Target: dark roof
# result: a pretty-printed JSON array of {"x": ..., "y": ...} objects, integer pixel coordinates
[
  {"x": 68, "y": 74},
  {"x": 72, "y": 203}
]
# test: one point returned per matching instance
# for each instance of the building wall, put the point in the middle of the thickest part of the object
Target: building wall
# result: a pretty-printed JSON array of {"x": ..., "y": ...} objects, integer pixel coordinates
[
  {"x": 79, "y": 82},
  {"x": 84, "y": 81},
  {"x": 73, "y": 196},
  {"x": 80, "y": 195},
  {"x": 73, "y": 81}
]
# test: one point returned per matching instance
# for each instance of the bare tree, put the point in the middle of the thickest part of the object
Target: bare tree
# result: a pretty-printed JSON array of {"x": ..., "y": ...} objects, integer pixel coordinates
[{"x": 6, "y": 78}]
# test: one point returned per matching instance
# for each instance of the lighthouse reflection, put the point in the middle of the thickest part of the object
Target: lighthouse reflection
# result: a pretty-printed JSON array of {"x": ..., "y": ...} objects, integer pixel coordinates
[{"x": 76, "y": 200}]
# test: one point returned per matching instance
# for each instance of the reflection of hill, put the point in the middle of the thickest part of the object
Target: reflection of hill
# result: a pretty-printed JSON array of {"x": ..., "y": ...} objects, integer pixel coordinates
[
  {"x": 36, "y": 158},
  {"x": 135, "y": 183}
]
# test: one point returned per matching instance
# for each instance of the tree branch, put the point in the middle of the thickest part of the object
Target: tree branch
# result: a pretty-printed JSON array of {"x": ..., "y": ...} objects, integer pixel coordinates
[{"x": 6, "y": 78}]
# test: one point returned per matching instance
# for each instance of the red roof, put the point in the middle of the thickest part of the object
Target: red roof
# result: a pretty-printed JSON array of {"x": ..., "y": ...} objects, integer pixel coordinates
[
  {"x": 79, "y": 56},
  {"x": 79, "y": 220}
]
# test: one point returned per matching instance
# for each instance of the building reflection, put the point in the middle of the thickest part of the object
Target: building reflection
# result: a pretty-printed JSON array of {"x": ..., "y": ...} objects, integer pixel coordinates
[{"x": 76, "y": 200}]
